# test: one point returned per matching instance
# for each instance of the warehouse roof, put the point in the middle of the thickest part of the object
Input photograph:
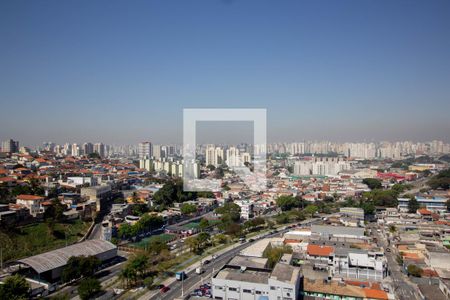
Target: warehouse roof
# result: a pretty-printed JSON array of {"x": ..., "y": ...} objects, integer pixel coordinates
[{"x": 57, "y": 258}]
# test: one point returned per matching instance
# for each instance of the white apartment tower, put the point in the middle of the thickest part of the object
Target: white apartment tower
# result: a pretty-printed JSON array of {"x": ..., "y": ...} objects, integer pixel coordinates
[
  {"x": 145, "y": 150},
  {"x": 99, "y": 148}
]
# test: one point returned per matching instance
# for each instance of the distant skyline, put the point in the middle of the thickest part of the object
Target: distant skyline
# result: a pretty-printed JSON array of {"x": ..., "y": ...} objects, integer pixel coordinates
[{"x": 122, "y": 72}]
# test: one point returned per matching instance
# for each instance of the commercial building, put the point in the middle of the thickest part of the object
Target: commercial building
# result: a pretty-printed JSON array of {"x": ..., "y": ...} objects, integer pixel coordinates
[
  {"x": 249, "y": 278},
  {"x": 49, "y": 265},
  {"x": 435, "y": 204},
  {"x": 326, "y": 231}
]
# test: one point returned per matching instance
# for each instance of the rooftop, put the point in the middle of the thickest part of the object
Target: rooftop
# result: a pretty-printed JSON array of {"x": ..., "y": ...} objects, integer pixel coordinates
[
  {"x": 285, "y": 273},
  {"x": 248, "y": 261},
  {"x": 249, "y": 275},
  {"x": 57, "y": 258}
]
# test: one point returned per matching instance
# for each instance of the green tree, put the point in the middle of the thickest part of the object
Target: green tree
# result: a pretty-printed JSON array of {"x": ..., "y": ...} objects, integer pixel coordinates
[
  {"x": 440, "y": 181},
  {"x": 230, "y": 211},
  {"x": 415, "y": 271},
  {"x": 188, "y": 208},
  {"x": 125, "y": 230},
  {"x": 149, "y": 222},
  {"x": 15, "y": 288},
  {"x": 88, "y": 288},
  {"x": 372, "y": 183},
  {"x": 392, "y": 228},
  {"x": 368, "y": 207},
  {"x": 193, "y": 243},
  {"x": 172, "y": 192},
  {"x": 274, "y": 254},
  {"x": 233, "y": 229},
  {"x": 156, "y": 246},
  {"x": 148, "y": 282},
  {"x": 55, "y": 211},
  {"x": 219, "y": 239},
  {"x": 80, "y": 266},
  {"x": 254, "y": 223},
  {"x": 282, "y": 218},
  {"x": 311, "y": 210},
  {"x": 287, "y": 202},
  {"x": 94, "y": 155},
  {"x": 203, "y": 224},
  {"x": 413, "y": 205}
]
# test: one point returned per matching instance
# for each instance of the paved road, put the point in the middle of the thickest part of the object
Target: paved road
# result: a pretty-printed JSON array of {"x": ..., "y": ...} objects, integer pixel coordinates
[
  {"x": 402, "y": 289},
  {"x": 96, "y": 232}
]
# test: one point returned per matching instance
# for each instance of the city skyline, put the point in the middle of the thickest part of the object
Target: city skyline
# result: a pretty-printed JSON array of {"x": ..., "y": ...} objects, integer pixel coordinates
[{"x": 347, "y": 70}]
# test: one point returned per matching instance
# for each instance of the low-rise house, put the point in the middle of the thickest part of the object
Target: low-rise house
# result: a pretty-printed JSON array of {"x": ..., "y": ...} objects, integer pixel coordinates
[{"x": 32, "y": 202}]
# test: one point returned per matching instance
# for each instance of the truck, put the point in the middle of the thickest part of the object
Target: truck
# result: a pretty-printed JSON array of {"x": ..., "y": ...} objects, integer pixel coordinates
[
  {"x": 180, "y": 275},
  {"x": 199, "y": 270}
]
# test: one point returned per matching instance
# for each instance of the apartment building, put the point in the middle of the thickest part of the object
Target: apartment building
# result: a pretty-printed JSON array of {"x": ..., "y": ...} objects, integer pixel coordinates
[{"x": 247, "y": 208}]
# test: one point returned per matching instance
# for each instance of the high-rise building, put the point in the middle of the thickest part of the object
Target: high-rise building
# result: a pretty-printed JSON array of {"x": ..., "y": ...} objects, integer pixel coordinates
[
  {"x": 145, "y": 150},
  {"x": 246, "y": 158},
  {"x": 75, "y": 150},
  {"x": 10, "y": 146},
  {"x": 233, "y": 157},
  {"x": 157, "y": 151},
  {"x": 99, "y": 148},
  {"x": 321, "y": 166},
  {"x": 210, "y": 154},
  {"x": 88, "y": 148}
]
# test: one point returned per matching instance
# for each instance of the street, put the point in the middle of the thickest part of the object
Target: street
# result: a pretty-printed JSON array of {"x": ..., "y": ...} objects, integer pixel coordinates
[
  {"x": 193, "y": 280},
  {"x": 402, "y": 288}
]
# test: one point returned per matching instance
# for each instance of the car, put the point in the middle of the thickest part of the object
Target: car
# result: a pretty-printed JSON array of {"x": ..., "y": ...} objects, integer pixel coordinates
[
  {"x": 164, "y": 289},
  {"x": 251, "y": 240},
  {"x": 388, "y": 250},
  {"x": 206, "y": 261}
]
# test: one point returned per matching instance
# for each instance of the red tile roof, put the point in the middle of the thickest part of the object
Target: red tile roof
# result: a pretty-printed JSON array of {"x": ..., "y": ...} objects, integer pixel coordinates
[
  {"x": 376, "y": 294},
  {"x": 7, "y": 179},
  {"x": 317, "y": 250},
  {"x": 424, "y": 211},
  {"x": 29, "y": 197}
]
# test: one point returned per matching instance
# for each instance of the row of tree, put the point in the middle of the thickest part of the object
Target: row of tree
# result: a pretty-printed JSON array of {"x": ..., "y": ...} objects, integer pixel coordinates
[
  {"x": 172, "y": 191},
  {"x": 145, "y": 224}
]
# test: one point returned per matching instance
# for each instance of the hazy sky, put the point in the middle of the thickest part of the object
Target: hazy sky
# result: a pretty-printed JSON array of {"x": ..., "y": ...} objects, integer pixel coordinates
[{"x": 122, "y": 71}]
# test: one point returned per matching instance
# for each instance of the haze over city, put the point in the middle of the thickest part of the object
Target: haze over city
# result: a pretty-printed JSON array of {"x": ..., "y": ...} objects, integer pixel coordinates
[
  {"x": 120, "y": 73},
  {"x": 225, "y": 149}
]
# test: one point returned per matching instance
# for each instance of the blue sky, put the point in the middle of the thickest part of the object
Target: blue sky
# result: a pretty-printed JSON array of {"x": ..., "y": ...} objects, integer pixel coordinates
[{"x": 122, "y": 71}]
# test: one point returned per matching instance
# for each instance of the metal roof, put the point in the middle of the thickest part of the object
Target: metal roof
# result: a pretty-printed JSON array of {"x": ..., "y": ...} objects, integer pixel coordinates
[{"x": 57, "y": 258}]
